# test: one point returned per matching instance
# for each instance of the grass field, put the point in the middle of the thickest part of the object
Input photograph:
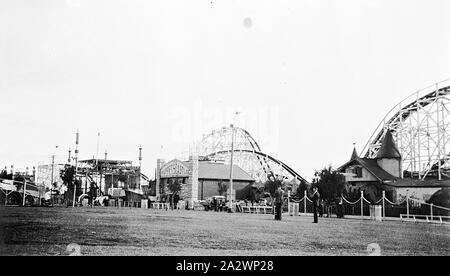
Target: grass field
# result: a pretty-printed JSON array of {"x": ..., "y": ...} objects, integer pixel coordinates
[{"x": 112, "y": 231}]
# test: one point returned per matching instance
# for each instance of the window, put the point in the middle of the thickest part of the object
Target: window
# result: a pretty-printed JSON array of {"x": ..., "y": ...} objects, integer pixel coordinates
[{"x": 358, "y": 172}]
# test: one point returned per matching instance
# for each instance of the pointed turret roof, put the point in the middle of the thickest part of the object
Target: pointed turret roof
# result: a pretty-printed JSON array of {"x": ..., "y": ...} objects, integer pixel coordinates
[
  {"x": 354, "y": 154},
  {"x": 388, "y": 148}
]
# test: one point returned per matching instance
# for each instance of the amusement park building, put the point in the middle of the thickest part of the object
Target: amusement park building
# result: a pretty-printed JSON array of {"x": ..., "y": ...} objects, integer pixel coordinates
[
  {"x": 200, "y": 178},
  {"x": 103, "y": 174},
  {"x": 384, "y": 173}
]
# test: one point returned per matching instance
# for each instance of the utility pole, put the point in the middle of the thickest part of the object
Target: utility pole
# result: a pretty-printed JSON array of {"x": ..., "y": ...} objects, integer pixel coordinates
[
  {"x": 76, "y": 168},
  {"x": 140, "y": 156},
  {"x": 24, "y": 190},
  {"x": 106, "y": 168},
  {"x": 51, "y": 179},
  {"x": 231, "y": 168},
  {"x": 12, "y": 174},
  {"x": 96, "y": 158},
  {"x": 25, "y": 186},
  {"x": 140, "y": 165},
  {"x": 231, "y": 161}
]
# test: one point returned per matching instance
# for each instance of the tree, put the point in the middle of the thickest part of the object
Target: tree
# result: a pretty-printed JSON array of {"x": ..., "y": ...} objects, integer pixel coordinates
[
  {"x": 249, "y": 192},
  {"x": 223, "y": 187},
  {"x": 441, "y": 198},
  {"x": 174, "y": 186},
  {"x": 330, "y": 184},
  {"x": 272, "y": 185},
  {"x": 300, "y": 192},
  {"x": 67, "y": 175},
  {"x": 4, "y": 174}
]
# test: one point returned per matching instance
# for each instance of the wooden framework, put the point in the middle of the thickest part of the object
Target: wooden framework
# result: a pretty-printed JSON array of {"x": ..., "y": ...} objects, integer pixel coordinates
[{"x": 420, "y": 126}]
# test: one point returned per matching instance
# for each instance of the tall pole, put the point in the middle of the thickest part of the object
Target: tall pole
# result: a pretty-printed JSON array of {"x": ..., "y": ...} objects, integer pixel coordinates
[
  {"x": 96, "y": 156},
  {"x": 98, "y": 146},
  {"x": 24, "y": 190},
  {"x": 231, "y": 168},
  {"x": 35, "y": 183},
  {"x": 51, "y": 179},
  {"x": 140, "y": 156},
  {"x": 25, "y": 186},
  {"x": 140, "y": 165},
  {"x": 231, "y": 161},
  {"x": 76, "y": 168},
  {"x": 106, "y": 157}
]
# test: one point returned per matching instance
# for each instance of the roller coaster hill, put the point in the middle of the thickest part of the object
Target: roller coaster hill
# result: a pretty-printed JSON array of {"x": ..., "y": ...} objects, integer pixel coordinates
[
  {"x": 405, "y": 163},
  {"x": 419, "y": 144},
  {"x": 420, "y": 128},
  {"x": 247, "y": 154}
]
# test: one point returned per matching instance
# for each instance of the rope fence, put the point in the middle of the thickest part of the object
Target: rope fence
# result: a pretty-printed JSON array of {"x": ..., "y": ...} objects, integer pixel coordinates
[{"x": 405, "y": 209}]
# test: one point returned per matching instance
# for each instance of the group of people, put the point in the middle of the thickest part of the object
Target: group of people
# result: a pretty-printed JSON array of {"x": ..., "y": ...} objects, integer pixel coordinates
[
  {"x": 217, "y": 205},
  {"x": 172, "y": 199},
  {"x": 279, "y": 200}
]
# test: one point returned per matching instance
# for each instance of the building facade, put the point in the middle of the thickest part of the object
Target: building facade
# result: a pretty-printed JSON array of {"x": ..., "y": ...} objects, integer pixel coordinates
[
  {"x": 372, "y": 176},
  {"x": 199, "y": 179}
]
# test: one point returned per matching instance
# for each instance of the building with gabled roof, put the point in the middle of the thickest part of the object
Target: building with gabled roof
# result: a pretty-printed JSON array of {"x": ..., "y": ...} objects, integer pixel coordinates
[
  {"x": 200, "y": 178},
  {"x": 384, "y": 173}
]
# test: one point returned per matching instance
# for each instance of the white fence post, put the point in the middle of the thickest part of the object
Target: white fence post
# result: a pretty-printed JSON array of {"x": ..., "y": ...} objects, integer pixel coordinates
[
  {"x": 24, "y": 190},
  {"x": 362, "y": 202},
  {"x": 384, "y": 196},
  {"x": 407, "y": 205},
  {"x": 431, "y": 209},
  {"x": 304, "y": 202}
]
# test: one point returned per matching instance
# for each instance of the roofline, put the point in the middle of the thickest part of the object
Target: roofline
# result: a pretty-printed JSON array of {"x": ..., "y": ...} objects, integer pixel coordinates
[{"x": 357, "y": 159}]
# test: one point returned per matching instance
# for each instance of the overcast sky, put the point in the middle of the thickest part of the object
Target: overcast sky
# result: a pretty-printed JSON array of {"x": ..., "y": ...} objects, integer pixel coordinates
[{"x": 310, "y": 77}]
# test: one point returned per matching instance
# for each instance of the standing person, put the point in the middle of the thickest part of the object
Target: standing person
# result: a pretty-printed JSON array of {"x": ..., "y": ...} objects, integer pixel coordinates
[
  {"x": 340, "y": 207},
  {"x": 278, "y": 203},
  {"x": 215, "y": 204},
  {"x": 321, "y": 207},
  {"x": 176, "y": 198},
  {"x": 315, "y": 199}
]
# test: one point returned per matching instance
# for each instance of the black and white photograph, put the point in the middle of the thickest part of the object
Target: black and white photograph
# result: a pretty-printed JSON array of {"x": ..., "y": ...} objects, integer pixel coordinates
[{"x": 257, "y": 129}]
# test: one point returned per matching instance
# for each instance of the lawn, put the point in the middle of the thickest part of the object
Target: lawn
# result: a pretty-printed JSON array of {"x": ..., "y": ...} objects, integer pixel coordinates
[{"x": 124, "y": 231}]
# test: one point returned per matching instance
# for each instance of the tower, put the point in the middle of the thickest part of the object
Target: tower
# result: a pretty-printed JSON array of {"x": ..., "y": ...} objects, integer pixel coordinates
[
  {"x": 354, "y": 153},
  {"x": 159, "y": 163},
  {"x": 388, "y": 156}
]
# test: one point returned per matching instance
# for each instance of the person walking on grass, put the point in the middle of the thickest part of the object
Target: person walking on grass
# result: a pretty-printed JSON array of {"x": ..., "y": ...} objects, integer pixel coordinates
[
  {"x": 278, "y": 203},
  {"x": 315, "y": 201}
]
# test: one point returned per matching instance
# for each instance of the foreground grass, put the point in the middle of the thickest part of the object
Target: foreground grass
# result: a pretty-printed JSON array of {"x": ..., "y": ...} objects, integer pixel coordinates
[{"x": 112, "y": 231}]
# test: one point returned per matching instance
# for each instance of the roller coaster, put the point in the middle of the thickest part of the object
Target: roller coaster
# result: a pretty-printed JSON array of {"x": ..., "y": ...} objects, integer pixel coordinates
[
  {"x": 247, "y": 154},
  {"x": 420, "y": 126}
]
